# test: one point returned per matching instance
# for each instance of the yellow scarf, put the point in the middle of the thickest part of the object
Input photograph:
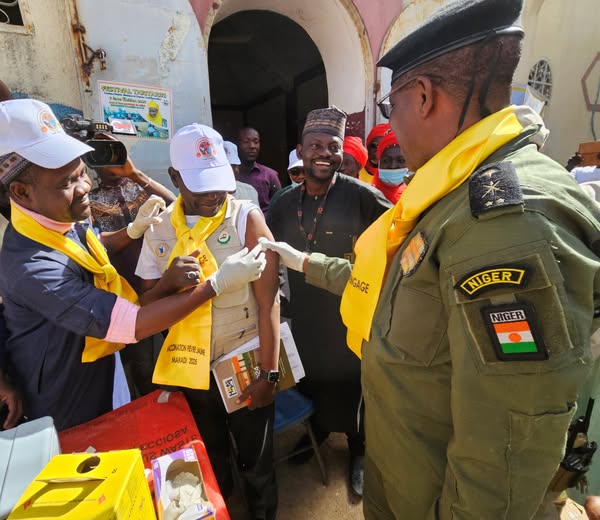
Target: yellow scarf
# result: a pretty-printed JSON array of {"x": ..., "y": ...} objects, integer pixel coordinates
[
  {"x": 190, "y": 337},
  {"x": 443, "y": 173},
  {"x": 96, "y": 262}
]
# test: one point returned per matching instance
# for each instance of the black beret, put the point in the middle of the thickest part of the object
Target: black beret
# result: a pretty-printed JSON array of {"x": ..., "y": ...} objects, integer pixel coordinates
[{"x": 456, "y": 25}]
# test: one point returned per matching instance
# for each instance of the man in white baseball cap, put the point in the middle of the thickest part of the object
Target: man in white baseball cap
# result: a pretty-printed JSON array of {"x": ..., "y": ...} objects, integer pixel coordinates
[
  {"x": 208, "y": 222},
  {"x": 232, "y": 154},
  {"x": 66, "y": 307},
  {"x": 295, "y": 171},
  {"x": 29, "y": 128}
]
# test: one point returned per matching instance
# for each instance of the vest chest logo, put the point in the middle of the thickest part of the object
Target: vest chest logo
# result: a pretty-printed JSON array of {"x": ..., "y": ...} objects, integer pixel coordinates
[
  {"x": 490, "y": 277},
  {"x": 162, "y": 249},
  {"x": 223, "y": 238}
]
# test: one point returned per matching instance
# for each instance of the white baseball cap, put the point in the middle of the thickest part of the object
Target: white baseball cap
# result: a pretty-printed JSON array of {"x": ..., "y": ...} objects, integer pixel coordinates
[
  {"x": 294, "y": 160},
  {"x": 197, "y": 153},
  {"x": 231, "y": 152},
  {"x": 29, "y": 128}
]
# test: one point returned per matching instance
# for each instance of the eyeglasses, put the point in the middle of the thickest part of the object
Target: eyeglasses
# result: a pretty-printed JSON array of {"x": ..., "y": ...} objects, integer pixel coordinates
[
  {"x": 384, "y": 105},
  {"x": 295, "y": 172}
]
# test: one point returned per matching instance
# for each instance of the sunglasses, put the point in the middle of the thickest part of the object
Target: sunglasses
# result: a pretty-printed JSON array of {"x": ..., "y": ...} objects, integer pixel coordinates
[
  {"x": 294, "y": 172},
  {"x": 384, "y": 103}
]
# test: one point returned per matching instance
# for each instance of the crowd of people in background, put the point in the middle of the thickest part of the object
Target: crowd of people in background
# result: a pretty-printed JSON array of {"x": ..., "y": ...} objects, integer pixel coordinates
[{"x": 378, "y": 253}]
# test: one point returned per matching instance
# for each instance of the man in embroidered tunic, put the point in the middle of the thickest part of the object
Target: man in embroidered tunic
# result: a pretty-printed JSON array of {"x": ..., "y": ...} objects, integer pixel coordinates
[
  {"x": 335, "y": 209},
  {"x": 472, "y": 301}
]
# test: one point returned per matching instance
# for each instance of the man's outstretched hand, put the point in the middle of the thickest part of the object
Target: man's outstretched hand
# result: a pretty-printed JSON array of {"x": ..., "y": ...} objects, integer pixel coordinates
[{"x": 290, "y": 257}]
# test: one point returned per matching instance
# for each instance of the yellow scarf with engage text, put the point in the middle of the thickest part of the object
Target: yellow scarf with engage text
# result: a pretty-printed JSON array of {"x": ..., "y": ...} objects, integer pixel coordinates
[
  {"x": 376, "y": 247},
  {"x": 95, "y": 261},
  {"x": 184, "y": 358}
]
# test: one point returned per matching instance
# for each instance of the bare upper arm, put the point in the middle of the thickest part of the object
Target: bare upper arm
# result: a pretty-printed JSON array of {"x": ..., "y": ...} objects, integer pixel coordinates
[{"x": 266, "y": 287}]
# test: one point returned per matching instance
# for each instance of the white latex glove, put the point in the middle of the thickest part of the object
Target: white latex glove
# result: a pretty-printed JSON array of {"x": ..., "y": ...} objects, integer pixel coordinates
[
  {"x": 290, "y": 257},
  {"x": 238, "y": 270},
  {"x": 147, "y": 215},
  {"x": 173, "y": 511}
]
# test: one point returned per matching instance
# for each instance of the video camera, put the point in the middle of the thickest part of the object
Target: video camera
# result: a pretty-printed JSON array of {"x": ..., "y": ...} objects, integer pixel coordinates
[{"x": 106, "y": 152}]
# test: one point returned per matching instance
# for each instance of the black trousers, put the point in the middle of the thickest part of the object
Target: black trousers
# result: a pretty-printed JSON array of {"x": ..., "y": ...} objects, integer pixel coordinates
[{"x": 253, "y": 435}]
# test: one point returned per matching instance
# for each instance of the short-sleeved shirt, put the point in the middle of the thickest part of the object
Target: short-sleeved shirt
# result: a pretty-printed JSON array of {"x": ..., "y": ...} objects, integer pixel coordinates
[
  {"x": 264, "y": 180},
  {"x": 113, "y": 207},
  {"x": 51, "y": 304},
  {"x": 243, "y": 191}
]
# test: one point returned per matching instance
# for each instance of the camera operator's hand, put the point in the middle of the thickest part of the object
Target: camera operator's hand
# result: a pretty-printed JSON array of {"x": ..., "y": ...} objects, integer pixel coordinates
[
  {"x": 148, "y": 214},
  {"x": 130, "y": 171},
  {"x": 127, "y": 170}
]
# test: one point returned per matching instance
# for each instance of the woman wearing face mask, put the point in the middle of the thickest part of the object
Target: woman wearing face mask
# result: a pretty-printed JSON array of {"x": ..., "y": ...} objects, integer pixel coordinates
[{"x": 391, "y": 175}]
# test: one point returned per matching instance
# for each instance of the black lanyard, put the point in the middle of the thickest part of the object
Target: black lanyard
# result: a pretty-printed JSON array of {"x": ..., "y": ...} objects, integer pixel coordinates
[{"x": 310, "y": 237}]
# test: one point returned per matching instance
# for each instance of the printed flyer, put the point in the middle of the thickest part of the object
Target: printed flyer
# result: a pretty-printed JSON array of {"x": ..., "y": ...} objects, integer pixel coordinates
[{"x": 149, "y": 108}]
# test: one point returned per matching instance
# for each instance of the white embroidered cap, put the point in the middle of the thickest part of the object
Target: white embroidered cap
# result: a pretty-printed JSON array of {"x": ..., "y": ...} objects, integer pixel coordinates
[
  {"x": 197, "y": 153},
  {"x": 29, "y": 128},
  {"x": 232, "y": 152}
]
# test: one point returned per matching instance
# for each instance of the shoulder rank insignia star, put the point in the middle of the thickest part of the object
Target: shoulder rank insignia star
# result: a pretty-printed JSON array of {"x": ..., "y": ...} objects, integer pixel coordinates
[
  {"x": 494, "y": 186},
  {"x": 492, "y": 277},
  {"x": 514, "y": 333}
]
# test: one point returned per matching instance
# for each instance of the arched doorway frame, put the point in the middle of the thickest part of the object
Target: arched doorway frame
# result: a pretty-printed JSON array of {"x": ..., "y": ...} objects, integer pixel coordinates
[
  {"x": 336, "y": 28},
  {"x": 409, "y": 19}
]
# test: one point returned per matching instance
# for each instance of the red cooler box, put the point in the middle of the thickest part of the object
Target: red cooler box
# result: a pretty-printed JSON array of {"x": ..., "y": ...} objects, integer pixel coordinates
[{"x": 158, "y": 423}]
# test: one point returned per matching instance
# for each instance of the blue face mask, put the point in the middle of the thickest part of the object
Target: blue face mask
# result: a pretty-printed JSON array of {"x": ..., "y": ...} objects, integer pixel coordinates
[
  {"x": 393, "y": 177},
  {"x": 294, "y": 184}
]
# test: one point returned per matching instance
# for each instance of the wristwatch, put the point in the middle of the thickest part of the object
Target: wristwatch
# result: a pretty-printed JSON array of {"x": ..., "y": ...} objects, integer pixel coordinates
[{"x": 272, "y": 376}]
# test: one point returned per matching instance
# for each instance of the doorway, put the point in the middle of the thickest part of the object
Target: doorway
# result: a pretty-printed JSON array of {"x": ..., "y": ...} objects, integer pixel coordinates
[{"x": 265, "y": 72}]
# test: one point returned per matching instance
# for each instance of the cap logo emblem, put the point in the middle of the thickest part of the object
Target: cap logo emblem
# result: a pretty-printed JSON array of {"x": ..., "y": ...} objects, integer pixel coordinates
[
  {"x": 47, "y": 122},
  {"x": 204, "y": 148}
]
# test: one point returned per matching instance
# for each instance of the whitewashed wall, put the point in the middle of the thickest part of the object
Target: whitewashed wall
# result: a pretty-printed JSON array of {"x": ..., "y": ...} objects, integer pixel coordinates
[
  {"x": 566, "y": 35},
  {"x": 155, "y": 43},
  {"x": 38, "y": 60}
]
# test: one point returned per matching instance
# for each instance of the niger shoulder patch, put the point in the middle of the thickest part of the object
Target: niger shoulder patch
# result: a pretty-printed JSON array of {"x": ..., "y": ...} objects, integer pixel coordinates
[
  {"x": 514, "y": 333},
  {"x": 494, "y": 186},
  {"x": 492, "y": 277}
]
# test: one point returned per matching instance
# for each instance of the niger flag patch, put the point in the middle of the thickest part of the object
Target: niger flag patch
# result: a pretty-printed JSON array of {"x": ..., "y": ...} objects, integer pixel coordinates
[{"x": 513, "y": 332}]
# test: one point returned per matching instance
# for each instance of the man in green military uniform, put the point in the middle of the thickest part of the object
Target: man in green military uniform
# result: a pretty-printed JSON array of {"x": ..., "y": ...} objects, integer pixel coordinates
[{"x": 472, "y": 301}]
